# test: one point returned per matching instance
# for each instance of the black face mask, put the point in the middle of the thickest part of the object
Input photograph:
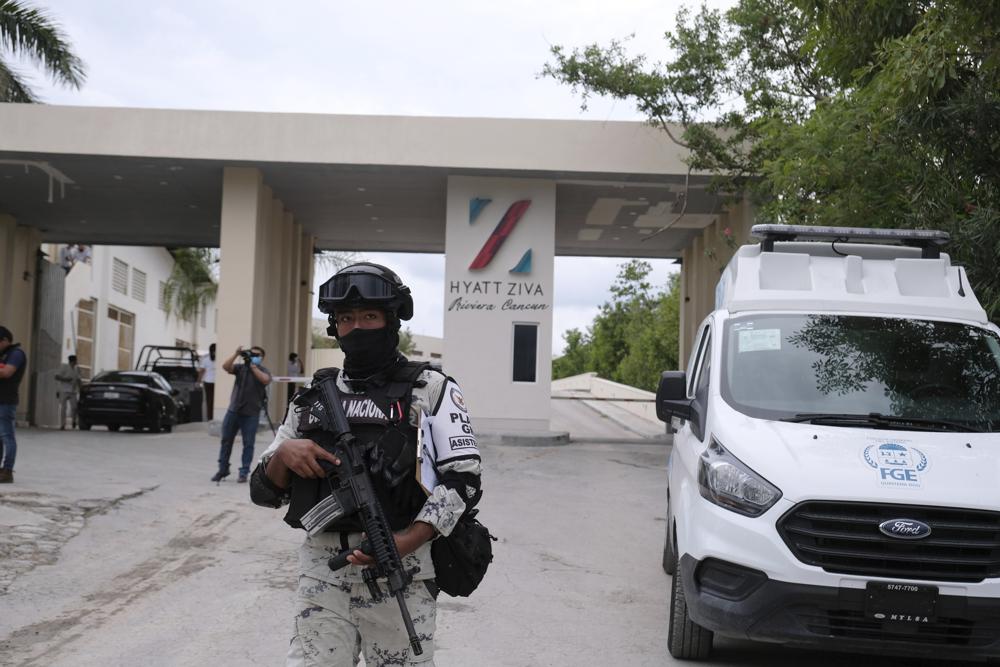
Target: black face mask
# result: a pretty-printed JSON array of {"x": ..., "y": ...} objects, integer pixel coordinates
[{"x": 369, "y": 351}]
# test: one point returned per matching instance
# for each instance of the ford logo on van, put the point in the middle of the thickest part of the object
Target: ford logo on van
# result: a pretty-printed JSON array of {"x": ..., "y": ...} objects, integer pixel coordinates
[{"x": 905, "y": 529}]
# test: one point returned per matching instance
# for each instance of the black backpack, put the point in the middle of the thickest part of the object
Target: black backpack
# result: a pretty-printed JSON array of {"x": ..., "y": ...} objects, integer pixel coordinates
[{"x": 461, "y": 558}]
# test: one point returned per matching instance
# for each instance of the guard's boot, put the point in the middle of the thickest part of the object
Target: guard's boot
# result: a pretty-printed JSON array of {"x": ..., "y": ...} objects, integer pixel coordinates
[
  {"x": 6, "y": 476},
  {"x": 219, "y": 476}
]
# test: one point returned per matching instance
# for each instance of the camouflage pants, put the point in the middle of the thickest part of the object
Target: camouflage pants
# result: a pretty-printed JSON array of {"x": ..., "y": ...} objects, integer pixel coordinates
[{"x": 337, "y": 621}]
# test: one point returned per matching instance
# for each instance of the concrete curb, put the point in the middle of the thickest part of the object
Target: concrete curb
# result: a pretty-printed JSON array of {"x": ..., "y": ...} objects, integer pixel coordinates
[{"x": 525, "y": 438}]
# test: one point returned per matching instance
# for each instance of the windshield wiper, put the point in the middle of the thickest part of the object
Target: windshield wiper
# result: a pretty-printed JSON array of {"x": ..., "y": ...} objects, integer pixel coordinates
[{"x": 879, "y": 419}]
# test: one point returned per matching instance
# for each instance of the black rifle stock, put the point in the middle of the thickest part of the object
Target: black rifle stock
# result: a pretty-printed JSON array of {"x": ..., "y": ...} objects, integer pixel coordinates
[{"x": 353, "y": 489}]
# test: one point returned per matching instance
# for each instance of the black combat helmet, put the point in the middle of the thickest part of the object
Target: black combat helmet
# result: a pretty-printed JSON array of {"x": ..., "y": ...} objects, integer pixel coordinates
[{"x": 366, "y": 285}]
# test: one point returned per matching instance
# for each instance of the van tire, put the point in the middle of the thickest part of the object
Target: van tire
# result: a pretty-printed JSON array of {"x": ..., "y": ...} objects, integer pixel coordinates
[{"x": 686, "y": 640}]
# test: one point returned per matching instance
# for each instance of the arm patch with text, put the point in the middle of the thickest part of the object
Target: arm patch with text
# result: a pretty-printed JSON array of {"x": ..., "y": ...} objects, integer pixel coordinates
[{"x": 452, "y": 426}]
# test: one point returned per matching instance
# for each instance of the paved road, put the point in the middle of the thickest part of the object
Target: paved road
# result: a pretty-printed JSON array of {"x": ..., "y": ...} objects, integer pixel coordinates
[{"x": 117, "y": 550}]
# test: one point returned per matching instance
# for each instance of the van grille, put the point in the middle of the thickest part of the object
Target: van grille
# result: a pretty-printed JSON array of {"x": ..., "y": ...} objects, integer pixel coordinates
[
  {"x": 964, "y": 544},
  {"x": 943, "y": 632}
]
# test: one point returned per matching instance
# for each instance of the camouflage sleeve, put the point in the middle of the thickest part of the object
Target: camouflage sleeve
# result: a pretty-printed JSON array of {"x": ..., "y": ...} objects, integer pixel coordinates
[
  {"x": 457, "y": 460},
  {"x": 263, "y": 491},
  {"x": 288, "y": 430}
]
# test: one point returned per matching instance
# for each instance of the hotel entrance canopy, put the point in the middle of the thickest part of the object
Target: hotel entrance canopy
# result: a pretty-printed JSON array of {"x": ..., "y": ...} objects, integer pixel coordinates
[
  {"x": 377, "y": 183},
  {"x": 271, "y": 189}
]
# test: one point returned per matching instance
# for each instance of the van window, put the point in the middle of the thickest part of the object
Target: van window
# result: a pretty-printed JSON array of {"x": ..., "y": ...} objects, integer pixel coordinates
[
  {"x": 705, "y": 372},
  {"x": 695, "y": 361},
  {"x": 778, "y": 366}
]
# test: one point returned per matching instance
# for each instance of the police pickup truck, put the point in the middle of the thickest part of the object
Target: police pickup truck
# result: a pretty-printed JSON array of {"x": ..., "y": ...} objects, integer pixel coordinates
[{"x": 835, "y": 475}]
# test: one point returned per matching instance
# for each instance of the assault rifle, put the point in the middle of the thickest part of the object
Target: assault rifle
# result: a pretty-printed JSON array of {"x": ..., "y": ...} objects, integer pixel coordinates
[{"x": 351, "y": 492}]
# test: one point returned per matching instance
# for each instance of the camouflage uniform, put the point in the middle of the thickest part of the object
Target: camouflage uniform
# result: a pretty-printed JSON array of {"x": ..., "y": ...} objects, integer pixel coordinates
[{"x": 337, "y": 618}]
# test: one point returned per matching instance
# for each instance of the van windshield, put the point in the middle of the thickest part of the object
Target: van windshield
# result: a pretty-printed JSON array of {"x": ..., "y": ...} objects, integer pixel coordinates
[{"x": 780, "y": 366}]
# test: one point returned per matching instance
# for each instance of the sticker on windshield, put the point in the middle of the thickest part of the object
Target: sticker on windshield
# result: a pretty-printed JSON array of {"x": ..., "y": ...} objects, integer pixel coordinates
[
  {"x": 896, "y": 464},
  {"x": 759, "y": 339}
]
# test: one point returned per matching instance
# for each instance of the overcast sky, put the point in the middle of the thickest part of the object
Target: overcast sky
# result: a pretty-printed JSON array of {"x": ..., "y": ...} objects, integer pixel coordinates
[{"x": 456, "y": 58}]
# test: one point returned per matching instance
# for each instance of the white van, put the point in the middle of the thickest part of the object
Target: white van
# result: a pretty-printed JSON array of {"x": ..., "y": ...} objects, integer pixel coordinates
[{"x": 834, "y": 480}]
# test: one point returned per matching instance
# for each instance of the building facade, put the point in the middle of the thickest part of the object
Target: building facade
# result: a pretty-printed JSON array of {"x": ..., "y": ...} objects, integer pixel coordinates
[{"x": 113, "y": 306}]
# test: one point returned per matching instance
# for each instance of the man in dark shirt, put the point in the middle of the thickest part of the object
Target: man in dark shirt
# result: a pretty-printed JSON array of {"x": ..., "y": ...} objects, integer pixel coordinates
[
  {"x": 244, "y": 407},
  {"x": 13, "y": 362}
]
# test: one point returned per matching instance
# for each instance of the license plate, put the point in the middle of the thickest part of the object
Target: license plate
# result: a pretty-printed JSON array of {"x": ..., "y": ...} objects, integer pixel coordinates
[
  {"x": 907, "y": 604},
  {"x": 112, "y": 394}
]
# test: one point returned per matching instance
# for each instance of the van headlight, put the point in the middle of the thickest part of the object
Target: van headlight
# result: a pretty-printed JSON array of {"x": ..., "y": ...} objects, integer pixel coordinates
[{"x": 725, "y": 481}]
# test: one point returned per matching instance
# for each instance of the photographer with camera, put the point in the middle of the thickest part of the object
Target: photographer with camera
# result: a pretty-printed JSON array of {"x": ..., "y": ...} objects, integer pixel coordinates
[{"x": 245, "y": 403}]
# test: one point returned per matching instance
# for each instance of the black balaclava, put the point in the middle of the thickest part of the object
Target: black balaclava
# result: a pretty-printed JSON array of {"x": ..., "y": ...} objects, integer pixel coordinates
[{"x": 369, "y": 352}]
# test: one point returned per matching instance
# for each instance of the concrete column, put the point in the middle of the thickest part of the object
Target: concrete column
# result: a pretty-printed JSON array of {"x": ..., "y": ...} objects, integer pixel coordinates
[
  {"x": 239, "y": 247},
  {"x": 511, "y": 286},
  {"x": 686, "y": 316},
  {"x": 7, "y": 269},
  {"x": 294, "y": 295},
  {"x": 702, "y": 264},
  {"x": 262, "y": 261},
  {"x": 19, "y": 247},
  {"x": 287, "y": 303},
  {"x": 275, "y": 324},
  {"x": 306, "y": 298}
]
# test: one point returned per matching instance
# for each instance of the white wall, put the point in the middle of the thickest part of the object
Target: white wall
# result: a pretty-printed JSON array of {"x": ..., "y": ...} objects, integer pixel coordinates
[
  {"x": 478, "y": 338},
  {"x": 153, "y": 326},
  {"x": 427, "y": 348}
]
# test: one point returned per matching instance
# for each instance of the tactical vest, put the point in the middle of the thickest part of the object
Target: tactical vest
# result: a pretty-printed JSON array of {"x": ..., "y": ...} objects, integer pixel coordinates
[{"x": 379, "y": 420}]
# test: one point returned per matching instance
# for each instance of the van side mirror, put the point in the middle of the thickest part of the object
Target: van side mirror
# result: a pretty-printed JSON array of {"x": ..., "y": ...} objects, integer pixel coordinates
[{"x": 671, "y": 397}]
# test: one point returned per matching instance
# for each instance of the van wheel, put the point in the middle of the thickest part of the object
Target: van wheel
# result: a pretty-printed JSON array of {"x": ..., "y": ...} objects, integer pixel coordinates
[
  {"x": 686, "y": 640},
  {"x": 84, "y": 426},
  {"x": 114, "y": 427}
]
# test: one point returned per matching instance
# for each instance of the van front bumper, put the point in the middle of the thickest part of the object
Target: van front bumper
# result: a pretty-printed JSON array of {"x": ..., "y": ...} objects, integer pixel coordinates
[{"x": 735, "y": 601}]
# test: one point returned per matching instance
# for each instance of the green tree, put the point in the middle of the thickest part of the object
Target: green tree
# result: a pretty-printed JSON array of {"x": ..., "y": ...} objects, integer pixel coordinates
[
  {"x": 406, "y": 344},
  {"x": 653, "y": 348},
  {"x": 575, "y": 358},
  {"x": 634, "y": 335},
  {"x": 618, "y": 319},
  {"x": 29, "y": 34},
  {"x": 322, "y": 341},
  {"x": 191, "y": 286},
  {"x": 878, "y": 113}
]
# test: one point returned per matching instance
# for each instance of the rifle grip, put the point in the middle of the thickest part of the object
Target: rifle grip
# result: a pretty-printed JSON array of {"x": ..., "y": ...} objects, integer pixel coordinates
[{"x": 340, "y": 560}]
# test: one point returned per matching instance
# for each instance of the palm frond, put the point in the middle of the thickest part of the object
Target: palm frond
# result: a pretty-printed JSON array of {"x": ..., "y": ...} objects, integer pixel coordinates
[
  {"x": 12, "y": 86},
  {"x": 191, "y": 285},
  {"x": 30, "y": 33}
]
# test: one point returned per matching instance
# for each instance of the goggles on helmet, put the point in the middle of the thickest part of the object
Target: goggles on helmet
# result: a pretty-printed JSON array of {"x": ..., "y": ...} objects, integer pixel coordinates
[{"x": 357, "y": 287}]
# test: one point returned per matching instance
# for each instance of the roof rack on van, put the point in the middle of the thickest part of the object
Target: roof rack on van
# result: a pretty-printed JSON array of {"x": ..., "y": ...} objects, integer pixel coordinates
[{"x": 928, "y": 240}]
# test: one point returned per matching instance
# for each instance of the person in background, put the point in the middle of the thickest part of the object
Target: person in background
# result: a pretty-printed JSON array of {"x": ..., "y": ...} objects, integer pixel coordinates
[
  {"x": 245, "y": 403},
  {"x": 83, "y": 253},
  {"x": 69, "y": 389},
  {"x": 67, "y": 257},
  {"x": 206, "y": 376},
  {"x": 13, "y": 362}
]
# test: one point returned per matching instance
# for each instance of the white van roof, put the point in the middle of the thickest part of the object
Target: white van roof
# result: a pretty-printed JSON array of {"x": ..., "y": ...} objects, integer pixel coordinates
[{"x": 835, "y": 272}]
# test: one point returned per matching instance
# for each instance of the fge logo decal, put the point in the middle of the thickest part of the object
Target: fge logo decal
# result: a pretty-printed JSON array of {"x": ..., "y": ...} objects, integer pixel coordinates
[{"x": 896, "y": 464}]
